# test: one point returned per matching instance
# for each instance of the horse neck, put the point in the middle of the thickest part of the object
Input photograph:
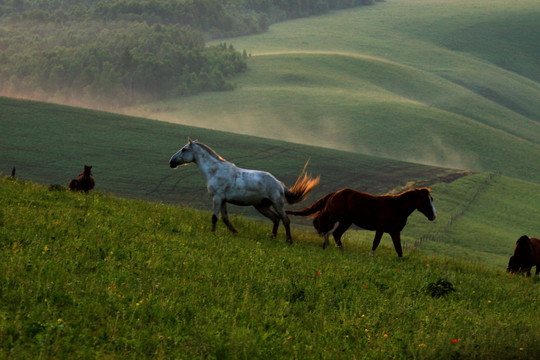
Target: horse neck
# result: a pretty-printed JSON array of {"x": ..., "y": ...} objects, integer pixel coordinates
[
  {"x": 208, "y": 164},
  {"x": 408, "y": 202}
]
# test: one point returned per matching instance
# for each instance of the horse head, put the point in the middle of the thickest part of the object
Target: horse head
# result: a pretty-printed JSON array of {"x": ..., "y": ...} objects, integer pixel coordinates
[
  {"x": 184, "y": 156},
  {"x": 87, "y": 170},
  {"x": 424, "y": 203},
  {"x": 522, "y": 257}
]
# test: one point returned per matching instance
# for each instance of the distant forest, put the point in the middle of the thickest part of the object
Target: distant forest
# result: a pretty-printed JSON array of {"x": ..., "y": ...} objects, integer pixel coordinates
[{"x": 112, "y": 53}]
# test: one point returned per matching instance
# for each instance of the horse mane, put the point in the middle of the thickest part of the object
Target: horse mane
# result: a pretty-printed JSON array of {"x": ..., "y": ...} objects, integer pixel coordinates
[
  {"x": 405, "y": 193},
  {"x": 209, "y": 150}
]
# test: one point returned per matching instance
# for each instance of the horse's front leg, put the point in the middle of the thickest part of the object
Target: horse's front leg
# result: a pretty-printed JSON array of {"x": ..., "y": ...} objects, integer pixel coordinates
[
  {"x": 376, "y": 241},
  {"x": 225, "y": 217},
  {"x": 396, "y": 239}
]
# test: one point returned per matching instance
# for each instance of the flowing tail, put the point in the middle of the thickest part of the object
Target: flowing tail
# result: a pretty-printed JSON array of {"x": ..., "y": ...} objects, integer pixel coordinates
[
  {"x": 314, "y": 208},
  {"x": 302, "y": 187}
]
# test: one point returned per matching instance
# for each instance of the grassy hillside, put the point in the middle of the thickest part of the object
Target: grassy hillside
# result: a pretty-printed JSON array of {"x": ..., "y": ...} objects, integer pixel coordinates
[
  {"x": 96, "y": 276},
  {"x": 50, "y": 144},
  {"x": 437, "y": 82}
]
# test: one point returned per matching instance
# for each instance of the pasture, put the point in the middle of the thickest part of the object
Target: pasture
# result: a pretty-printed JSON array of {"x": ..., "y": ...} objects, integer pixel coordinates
[
  {"x": 480, "y": 216},
  {"x": 97, "y": 276},
  {"x": 437, "y": 82}
]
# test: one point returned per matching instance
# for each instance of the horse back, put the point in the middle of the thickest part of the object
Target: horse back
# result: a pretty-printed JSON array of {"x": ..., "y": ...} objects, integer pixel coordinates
[
  {"x": 535, "y": 247},
  {"x": 368, "y": 211}
]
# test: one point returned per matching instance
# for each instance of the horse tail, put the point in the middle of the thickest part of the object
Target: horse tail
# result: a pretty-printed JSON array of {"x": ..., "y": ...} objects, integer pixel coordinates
[
  {"x": 302, "y": 187},
  {"x": 314, "y": 208}
]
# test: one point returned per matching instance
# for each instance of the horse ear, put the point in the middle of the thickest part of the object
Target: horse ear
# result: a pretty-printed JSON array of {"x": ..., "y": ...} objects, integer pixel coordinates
[{"x": 189, "y": 140}]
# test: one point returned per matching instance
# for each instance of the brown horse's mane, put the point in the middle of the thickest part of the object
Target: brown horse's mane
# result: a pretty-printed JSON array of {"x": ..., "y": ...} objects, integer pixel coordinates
[
  {"x": 405, "y": 193},
  {"x": 209, "y": 150}
]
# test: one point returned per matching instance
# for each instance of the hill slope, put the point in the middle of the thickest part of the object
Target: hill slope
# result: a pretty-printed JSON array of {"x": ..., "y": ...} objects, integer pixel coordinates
[
  {"x": 418, "y": 81},
  {"x": 50, "y": 144},
  {"x": 96, "y": 276}
]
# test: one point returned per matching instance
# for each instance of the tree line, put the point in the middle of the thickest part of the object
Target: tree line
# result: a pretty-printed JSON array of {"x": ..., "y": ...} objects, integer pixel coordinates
[{"x": 113, "y": 53}]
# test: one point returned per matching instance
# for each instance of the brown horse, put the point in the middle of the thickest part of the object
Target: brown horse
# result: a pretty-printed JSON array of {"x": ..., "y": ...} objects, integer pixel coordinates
[
  {"x": 526, "y": 255},
  {"x": 85, "y": 182},
  {"x": 386, "y": 213}
]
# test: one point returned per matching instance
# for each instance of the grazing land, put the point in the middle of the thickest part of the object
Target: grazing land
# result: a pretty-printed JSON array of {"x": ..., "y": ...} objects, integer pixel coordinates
[{"x": 99, "y": 276}]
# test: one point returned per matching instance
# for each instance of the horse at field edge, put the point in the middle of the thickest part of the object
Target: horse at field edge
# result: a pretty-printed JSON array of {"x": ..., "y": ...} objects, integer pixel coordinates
[
  {"x": 382, "y": 213},
  {"x": 228, "y": 183},
  {"x": 526, "y": 255},
  {"x": 85, "y": 182}
]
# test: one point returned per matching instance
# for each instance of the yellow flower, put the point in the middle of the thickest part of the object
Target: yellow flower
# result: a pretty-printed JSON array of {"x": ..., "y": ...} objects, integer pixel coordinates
[
  {"x": 385, "y": 336},
  {"x": 59, "y": 320},
  {"x": 422, "y": 345}
]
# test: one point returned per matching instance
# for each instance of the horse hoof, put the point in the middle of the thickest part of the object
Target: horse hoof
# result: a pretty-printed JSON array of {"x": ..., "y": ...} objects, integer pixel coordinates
[{"x": 372, "y": 253}]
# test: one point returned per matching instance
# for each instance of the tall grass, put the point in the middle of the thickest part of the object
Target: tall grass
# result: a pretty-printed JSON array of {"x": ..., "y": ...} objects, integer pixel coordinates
[{"x": 94, "y": 276}]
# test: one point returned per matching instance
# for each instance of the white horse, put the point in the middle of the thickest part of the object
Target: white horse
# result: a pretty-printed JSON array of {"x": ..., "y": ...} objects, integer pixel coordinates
[{"x": 228, "y": 183}]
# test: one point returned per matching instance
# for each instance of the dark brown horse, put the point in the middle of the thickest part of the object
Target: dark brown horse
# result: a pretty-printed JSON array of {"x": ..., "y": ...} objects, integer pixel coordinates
[
  {"x": 526, "y": 255},
  {"x": 386, "y": 213},
  {"x": 85, "y": 182}
]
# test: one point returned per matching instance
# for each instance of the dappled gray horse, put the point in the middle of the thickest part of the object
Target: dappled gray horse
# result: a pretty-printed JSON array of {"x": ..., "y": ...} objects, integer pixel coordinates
[{"x": 228, "y": 183}]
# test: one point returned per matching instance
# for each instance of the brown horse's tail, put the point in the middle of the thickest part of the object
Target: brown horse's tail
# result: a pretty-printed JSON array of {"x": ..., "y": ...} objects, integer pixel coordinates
[
  {"x": 314, "y": 208},
  {"x": 301, "y": 188}
]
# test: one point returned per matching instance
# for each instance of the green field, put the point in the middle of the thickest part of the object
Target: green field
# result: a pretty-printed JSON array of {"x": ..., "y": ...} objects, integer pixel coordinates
[
  {"x": 130, "y": 158},
  {"x": 101, "y": 277},
  {"x": 449, "y": 83},
  {"x": 50, "y": 144}
]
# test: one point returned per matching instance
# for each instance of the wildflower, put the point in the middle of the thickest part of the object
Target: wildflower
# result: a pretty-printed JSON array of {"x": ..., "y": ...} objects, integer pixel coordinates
[
  {"x": 427, "y": 264},
  {"x": 59, "y": 321},
  {"x": 489, "y": 301},
  {"x": 422, "y": 345},
  {"x": 363, "y": 315},
  {"x": 366, "y": 330},
  {"x": 364, "y": 286},
  {"x": 385, "y": 336},
  {"x": 319, "y": 272},
  {"x": 521, "y": 349},
  {"x": 454, "y": 341}
]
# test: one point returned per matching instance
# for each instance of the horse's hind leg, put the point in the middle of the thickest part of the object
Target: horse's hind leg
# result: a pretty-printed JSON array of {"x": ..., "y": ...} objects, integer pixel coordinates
[
  {"x": 272, "y": 215},
  {"x": 286, "y": 221},
  {"x": 340, "y": 230}
]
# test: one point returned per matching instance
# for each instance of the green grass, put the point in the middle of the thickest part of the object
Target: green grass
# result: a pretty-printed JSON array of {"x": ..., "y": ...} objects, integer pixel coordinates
[
  {"x": 103, "y": 277},
  {"x": 50, "y": 144},
  {"x": 448, "y": 83},
  {"x": 130, "y": 159}
]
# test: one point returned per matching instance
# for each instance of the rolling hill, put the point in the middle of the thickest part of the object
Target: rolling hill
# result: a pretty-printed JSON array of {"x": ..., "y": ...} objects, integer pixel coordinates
[
  {"x": 480, "y": 216},
  {"x": 446, "y": 83}
]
